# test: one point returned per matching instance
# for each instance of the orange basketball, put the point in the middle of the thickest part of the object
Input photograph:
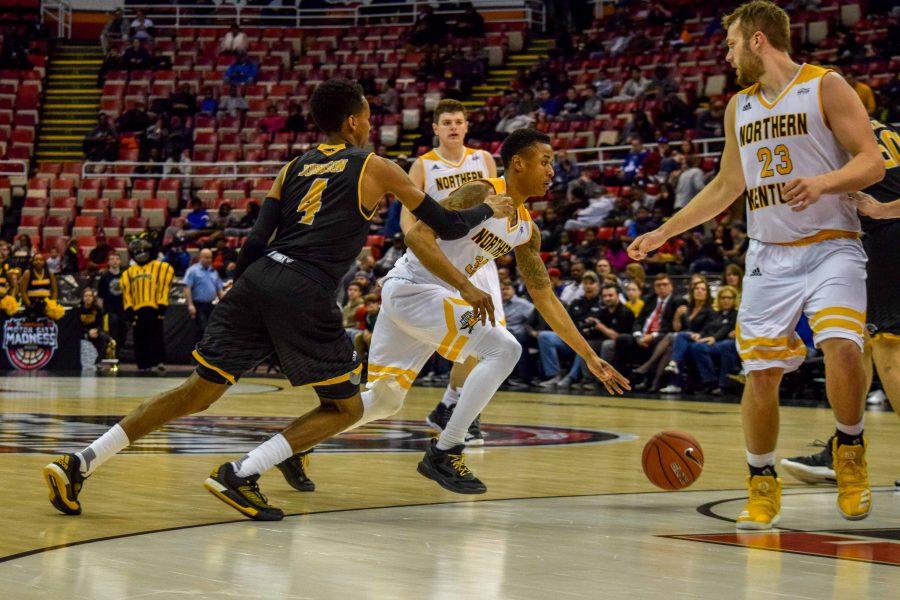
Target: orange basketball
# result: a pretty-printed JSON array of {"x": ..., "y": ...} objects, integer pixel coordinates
[{"x": 672, "y": 459}]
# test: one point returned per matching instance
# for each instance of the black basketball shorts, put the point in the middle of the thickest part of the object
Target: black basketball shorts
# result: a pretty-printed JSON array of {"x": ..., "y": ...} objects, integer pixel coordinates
[
  {"x": 273, "y": 308},
  {"x": 882, "y": 245}
]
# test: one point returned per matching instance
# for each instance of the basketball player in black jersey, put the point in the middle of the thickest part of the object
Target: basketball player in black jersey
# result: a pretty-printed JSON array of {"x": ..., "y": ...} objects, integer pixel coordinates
[
  {"x": 879, "y": 208},
  {"x": 284, "y": 302}
]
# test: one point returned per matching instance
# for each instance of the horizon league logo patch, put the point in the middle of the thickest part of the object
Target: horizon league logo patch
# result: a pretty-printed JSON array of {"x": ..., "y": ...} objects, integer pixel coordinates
[
  {"x": 468, "y": 321},
  {"x": 57, "y": 434},
  {"x": 30, "y": 344}
]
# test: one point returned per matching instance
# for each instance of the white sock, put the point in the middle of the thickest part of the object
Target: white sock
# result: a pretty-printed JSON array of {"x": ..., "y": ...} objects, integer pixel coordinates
[
  {"x": 497, "y": 362},
  {"x": 102, "y": 449},
  {"x": 451, "y": 397},
  {"x": 264, "y": 457},
  {"x": 851, "y": 429},
  {"x": 760, "y": 461}
]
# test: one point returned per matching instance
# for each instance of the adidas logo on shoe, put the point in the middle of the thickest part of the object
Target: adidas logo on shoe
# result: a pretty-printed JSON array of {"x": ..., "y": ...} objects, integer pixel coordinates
[{"x": 756, "y": 273}]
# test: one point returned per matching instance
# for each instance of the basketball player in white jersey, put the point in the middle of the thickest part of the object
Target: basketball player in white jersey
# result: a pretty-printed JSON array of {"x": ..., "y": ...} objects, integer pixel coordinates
[
  {"x": 438, "y": 173},
  {"x": 423, "y": 310},
  {"x": 798, "y": 141}
]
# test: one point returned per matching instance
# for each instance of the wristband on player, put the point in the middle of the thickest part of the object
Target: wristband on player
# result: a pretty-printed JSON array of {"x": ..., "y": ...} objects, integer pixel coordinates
[{"x": 451, "y": 224}]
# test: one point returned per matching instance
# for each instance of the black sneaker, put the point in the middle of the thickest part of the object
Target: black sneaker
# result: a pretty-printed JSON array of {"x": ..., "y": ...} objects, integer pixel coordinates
[
  {"x": 241, "y": 493},
  {"x": 64, "y": 478},
  {"x": 474, "y": 436},
  {"x": 439, "y": 417},
  {"x": 816, "y": 468},
  {"x": 294, "y": 471},
  {"x": 448, "y": 469}
]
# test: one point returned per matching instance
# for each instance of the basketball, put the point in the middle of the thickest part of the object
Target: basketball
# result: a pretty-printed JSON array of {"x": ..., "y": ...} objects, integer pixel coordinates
[{"x": 672, "y": 459}]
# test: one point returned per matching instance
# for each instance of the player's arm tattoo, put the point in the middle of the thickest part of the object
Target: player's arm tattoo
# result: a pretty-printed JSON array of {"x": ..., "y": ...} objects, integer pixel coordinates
[
  {"x": 531, "y": 267},
  {"x": 467, "y": 196}
]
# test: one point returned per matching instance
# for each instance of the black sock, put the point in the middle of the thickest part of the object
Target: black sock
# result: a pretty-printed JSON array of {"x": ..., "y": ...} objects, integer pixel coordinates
[
  {"x": 846, "y": 439},
  {"x": 768, "y": 470}
]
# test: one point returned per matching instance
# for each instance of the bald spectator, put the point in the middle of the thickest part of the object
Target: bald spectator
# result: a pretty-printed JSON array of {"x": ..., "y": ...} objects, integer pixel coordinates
[{"x": 202, "y": 285}]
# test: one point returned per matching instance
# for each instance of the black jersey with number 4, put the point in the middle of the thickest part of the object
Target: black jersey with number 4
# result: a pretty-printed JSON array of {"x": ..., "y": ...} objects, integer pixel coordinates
[
  {"x": 888, "y": 189},
  {"x": 323, "y": 224}
]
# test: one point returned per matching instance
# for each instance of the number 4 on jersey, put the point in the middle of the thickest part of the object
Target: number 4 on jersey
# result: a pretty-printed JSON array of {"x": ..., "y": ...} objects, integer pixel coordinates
[{"x": 312, "y": 201}]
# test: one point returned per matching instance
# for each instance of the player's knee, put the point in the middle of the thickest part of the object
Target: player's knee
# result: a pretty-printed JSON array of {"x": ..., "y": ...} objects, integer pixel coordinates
[
  {"x": 841, "y": 351},
  {"x": 766, "y": 378},
  {"x": 351, "y": 409},
  {"x": 197, "y": 394},
  {"x": 503, "y": 346},
  {"x": 383, "y": 400}
]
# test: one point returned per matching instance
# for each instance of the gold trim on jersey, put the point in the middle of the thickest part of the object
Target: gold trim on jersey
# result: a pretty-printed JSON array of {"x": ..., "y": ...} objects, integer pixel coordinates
[
  {"x": 275, "y": 190},
  {"x": 359, "y": 189},
  {"x": 806, "y": 74},
  {"x": 825, "y": 234},
  {"x": 433, "y": 155},
  {"x": 329, "y": 149},
  {"x": 199, "y": 358},
  {"x": 340, "y": 378},
  {"x": 453, "y": 342},
  {"x": 838, "y": 317},
  {"x": 403, "y": 377}
]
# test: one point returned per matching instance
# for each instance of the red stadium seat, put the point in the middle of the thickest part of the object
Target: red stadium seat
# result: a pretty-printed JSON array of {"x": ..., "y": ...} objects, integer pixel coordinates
[
  {"x": 155, "y": 211},
  {"x": 63, "y": 207},
  {"x": 135, "y": 225},
  {"x": 124, "y": 208}
]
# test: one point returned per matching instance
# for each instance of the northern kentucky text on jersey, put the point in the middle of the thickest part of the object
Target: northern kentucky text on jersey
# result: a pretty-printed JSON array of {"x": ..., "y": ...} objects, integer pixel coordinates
[
  {"x": 490, "y": 243},
  {"x": 451, "y": 182},
  {"x": 774, "y": 126}
]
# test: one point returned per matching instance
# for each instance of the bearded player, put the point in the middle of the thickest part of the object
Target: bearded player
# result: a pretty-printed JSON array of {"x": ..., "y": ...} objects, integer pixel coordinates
[{"x": 797, "y": 141}]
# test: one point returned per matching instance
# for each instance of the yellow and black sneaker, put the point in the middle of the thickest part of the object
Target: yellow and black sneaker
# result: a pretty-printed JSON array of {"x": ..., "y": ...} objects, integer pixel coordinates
[
  {"x": 241, "y": 493},
  {"x": 449, "y": 470},
  {"x": 294, "y": 471},
  {"x": 64, "y": 478},
  {"x": 854, "y": 494}
]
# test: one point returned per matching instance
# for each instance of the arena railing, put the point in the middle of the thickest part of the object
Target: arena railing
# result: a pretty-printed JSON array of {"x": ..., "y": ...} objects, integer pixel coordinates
[
  {"x": 346, "y": 16},
  {"x": 602, "y": 156},
  {"x": 59, "y": 12}
]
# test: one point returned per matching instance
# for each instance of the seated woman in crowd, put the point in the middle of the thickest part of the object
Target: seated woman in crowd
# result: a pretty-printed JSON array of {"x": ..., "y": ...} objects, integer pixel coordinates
[{"x": 715, "y": 355}]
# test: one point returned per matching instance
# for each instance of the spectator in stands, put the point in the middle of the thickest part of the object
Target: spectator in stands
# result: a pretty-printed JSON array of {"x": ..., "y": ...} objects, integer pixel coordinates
[
  {"x": 589, "y": 247},
  {"x": 368, "y": 83},
  {"x": 604, "y": 84},
  {"x": 391, "y": 255},
  {"x": 350, "y": 309},
  {"x": 178, "y": 164},
  {"x": 470, "y": 24},
  {"x": 717, "y": 345},
  {"x": 235, "y": 41},
  {"x": 202, "y": 286},
  {"x": 198, "y": 219},
  {"x": 687, "y": 148},
  {"x": 272, "y": 122},
  {"x": 689, "y": 180},
  {"x": 224, "y": 258},
  {"x": 136, "y": 57},
  {"x": 209, "y": 105},
  {"x": 617, "y": 255},
  {"x": 663, "y": 83},
  {"x": 223, "y": 219},
  {"x": 242, "y": 71},
  {"x": 362, "y": 341},
  {"x": 134, "y": 120},
  {"x": 585, "y": 182},
  {"x": 390, "y": 98},
  {"x": 667, "y": 160},
  {"x": 184, "y": 102},
  {"x": 615, "y": 319},
  {"x": 862, "y": 90},
  {"x": 550, "y": 104},
  {"x": 593, "y": 105},
  {"x": 711, "y": 122},
  {"x": 572, "y": 105},
  {"x": 564, "y": 171},
  {"x": 245, "y": 224},
  {"x": 142, "y": 27},
  {"x": 584, "y": 312},
  {"x": 73, "y": 259},
  {"x": 650, "y": 327},
  {"x": 511, "y": 119},
  {"x": 639, "y": 126},
  {"x": 634, "y": 160},
  {"x": 733, "y": 276},
  {"x": 573, "y": 289},
  {"x": 54, "y": 262},
  {"x": 430, "y": 29},
  {"x": 296, "y": 121},
  {"x": 90, "y": 314},
  {"x": 233, "y": 104},
  {"x": 594, "y": 215},
  {"x": 21, "y": 253},
  {"x": 115, "y": 30},
  {"x": 154, "y": 137},
  {"x": 739, "y": 245},
  {"x": 102, "y": 142},
  {"x": 110, "y": 293},
  {"x": 634, "y": 297},
  {"x": 179, "y": 138},
  {"x": 519, "y": 312},
  {"x": 177, "y": 255},
  {"x": 111, "y": 62},
  {"x": 527, "y": 104},
  {"x": 37, "y": 282},
  {"x": 675, "y": 115},
  {"x": 634, "y": 87}
]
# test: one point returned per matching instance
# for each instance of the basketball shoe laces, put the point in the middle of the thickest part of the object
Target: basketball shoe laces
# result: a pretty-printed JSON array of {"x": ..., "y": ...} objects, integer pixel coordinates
[
  {"x": 852, "y": 472},
  {"x": 251, "y": 491},
  {"x": 304, "y": 461},
  {"x": 766, "y": 496},
  {"x": 457, "y": 461}
]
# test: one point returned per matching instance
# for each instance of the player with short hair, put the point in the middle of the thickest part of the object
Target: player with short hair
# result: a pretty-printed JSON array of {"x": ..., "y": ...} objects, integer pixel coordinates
[
  {"x": 438, "y": 173},
  {"x": 317, "y": 217},
  {"x": 797, "y": 142}
]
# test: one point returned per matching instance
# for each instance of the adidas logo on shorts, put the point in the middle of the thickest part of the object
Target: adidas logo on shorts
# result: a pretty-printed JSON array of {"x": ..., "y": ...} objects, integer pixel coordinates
[{"x": 756, "y": 273}]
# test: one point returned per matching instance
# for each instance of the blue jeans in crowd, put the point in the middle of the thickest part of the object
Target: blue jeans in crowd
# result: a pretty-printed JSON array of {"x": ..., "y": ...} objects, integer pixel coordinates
[
  {"x": 707, "y": 355},
  {"x": 680, "y": 347},
  {"x": 551, "y": 347}
]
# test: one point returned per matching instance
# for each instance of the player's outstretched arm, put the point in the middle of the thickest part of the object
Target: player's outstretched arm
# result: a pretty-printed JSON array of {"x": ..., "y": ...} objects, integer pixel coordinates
[
  {"x": 383, "y": 176},
  {"x": 874, "y": 209},
  {"x": 712, "y": 200},
  {"x": 533, "y": 271},
  {"x": 848, "y": 119}
]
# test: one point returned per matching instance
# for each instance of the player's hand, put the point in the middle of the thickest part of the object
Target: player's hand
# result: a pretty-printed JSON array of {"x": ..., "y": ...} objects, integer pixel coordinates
[
  {"x": 802, "y": 192},
  {"x": 612, "y": 380},
  {"x": 502, "y": 205},
  {"x": 482, "y": 303},
  {"x": 644, "y": 244},
  {"x": 869, "y": 206}
]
